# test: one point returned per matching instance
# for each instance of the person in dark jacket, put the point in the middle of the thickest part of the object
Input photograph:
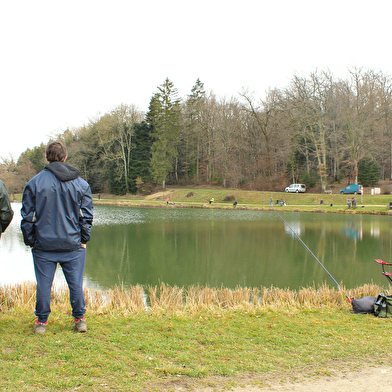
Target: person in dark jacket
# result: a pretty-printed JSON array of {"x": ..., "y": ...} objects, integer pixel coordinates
[
  {"x": 6, "y": 212},
  {"x": 57, "y": 215}
]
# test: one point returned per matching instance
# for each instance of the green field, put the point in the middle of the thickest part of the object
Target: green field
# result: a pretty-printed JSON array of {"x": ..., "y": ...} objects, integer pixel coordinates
[
  {"x": 199, "y": 198},
  {"x": 188, "y": 339}
]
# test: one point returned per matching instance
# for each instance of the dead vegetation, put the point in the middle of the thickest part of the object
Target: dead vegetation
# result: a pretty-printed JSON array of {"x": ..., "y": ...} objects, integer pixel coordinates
[{"x": 135, "y": 299}]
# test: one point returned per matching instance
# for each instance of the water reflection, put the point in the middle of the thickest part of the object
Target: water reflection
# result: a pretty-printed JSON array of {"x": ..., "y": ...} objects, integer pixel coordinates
[
  {"x": 217, "y": 247},
  {"x": 15, "y": 257},
  {"x": 247, "y": 248},
  {"x": 375, "y": 229},
  {"x": 294, "y": 229},
  {"x": 16, "y": 262},
  {"x": 353, "y": 230}
]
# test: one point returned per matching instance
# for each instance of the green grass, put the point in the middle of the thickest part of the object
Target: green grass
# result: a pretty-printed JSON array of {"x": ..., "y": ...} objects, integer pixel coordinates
[
  {"x": 149, "y": 351},
  {"x": 283, "y": 336},
  {"x": 307, "y": 202}
]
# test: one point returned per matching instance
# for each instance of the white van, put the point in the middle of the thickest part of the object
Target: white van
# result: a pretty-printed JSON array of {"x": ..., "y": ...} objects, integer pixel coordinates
[{"x": 296, "y": 188}]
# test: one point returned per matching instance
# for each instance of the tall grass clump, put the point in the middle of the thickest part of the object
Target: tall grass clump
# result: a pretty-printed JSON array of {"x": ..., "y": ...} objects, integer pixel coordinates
[
  {"x": 166, "y": 297},
  {"x": 204, "y": 298},
  {"x": 21, "y": 296},
  {"x": 123, "y": 298}
]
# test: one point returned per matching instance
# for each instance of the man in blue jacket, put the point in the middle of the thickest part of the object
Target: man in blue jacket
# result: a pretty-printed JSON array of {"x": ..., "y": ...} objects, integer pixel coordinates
[{"x": 57, "y": 214}]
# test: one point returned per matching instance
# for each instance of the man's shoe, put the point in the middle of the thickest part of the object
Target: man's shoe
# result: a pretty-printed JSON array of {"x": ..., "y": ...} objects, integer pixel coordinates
[
  {"x": 40, "y": 328},
  {"x": 80, "y": 325}
]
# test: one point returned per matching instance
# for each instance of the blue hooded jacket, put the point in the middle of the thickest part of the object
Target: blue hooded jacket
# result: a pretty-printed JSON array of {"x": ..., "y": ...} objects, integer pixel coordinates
[{"x": 57, "y": 209}]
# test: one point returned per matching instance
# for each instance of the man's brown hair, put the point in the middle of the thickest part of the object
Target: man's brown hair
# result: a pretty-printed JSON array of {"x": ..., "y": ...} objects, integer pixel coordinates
[{"x": 56, "y": 152}]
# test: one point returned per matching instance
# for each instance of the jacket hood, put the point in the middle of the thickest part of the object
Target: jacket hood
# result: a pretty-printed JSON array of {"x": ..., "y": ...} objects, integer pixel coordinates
[{"x": 63, "y": 171}]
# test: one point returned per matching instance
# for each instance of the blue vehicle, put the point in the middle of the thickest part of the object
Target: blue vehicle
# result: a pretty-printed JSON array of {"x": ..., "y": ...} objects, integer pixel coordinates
[{"x": 352, "y": 189}]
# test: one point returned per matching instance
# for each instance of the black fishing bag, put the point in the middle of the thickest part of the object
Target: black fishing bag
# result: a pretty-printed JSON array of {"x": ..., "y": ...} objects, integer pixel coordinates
[
  {"x": 364, "y": 305},
  {"x": 383, "y": 306}
]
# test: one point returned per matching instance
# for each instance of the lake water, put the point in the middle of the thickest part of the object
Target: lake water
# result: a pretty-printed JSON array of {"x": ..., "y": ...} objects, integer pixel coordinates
[{"x": 218, "y": 248}]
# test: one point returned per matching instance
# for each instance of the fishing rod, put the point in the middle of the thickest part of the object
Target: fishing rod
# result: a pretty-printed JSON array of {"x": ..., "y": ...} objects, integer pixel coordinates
[{"x": 310, "y": 251}]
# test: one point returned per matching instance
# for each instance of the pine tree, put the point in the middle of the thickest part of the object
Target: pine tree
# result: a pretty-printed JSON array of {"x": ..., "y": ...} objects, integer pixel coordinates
[
  {"x": 368, "y": 172},
  {"x": 141, "y": 155},
  {"x": 165, "y": 117},
  {"x": 194, "y": 128}
]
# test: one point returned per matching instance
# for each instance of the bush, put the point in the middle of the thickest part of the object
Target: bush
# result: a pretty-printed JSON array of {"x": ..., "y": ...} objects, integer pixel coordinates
[{"x": 386, "y": 189}]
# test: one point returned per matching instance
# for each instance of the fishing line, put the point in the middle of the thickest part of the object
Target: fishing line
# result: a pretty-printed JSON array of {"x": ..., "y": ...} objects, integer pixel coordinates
[
  {"x": 295, "y": 235},
  {"x": 313, "y": 255}
]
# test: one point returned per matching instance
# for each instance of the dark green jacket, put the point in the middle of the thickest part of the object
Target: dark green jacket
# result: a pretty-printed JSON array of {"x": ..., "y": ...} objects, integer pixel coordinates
[{"x": 6, "y": 212}]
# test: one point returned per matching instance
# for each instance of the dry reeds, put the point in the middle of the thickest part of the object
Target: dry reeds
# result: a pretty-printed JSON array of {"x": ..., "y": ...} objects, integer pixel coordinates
[
  {"x": 198, "y": 298},
  {"x": 166, "y": 297},
  {"x": 134, "y": 299},
  {"x": 20, "y": 296},
  {"x": 119, "y": 299}
]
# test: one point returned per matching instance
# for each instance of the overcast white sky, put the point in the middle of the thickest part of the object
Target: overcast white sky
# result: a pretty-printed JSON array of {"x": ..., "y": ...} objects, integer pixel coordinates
[{"x": 64, "y": 62}]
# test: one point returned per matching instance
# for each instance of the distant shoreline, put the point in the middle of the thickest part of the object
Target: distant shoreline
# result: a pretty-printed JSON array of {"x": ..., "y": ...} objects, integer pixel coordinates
[
  {"x": 338, "y": 209},
  {"x": 198, "y": 197}
]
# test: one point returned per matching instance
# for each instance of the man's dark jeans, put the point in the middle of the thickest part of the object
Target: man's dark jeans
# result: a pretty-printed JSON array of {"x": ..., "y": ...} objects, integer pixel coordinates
[{"x": 72, "y": 264}]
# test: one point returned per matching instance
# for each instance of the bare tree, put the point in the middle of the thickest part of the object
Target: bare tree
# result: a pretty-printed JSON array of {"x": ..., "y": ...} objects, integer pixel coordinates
[
  {"x": 359, "y": 116},
  {"x": 262, "y": 116},
  {"x": 309, "y": 103},
  {"x": 125, "y": 117},
  {"x": 384, "y": 116},
  {"x": 8, "y": 174}
]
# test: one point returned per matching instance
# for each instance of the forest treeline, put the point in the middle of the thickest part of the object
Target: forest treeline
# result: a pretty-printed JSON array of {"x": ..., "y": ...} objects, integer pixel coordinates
[{"x": 318, "y": 131}]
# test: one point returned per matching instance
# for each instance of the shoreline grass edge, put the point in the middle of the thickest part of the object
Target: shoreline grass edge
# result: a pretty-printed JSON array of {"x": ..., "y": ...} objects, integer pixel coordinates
[
  {"x": 135, "y": 299},
  {"x": 196, "y": 338}
]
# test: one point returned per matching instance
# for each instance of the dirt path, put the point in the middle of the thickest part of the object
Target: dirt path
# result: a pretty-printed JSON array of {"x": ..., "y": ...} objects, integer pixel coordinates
[{"x": 366, "y": 379}]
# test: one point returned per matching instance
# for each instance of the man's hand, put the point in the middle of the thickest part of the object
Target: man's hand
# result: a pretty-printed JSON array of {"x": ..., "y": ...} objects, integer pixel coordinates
[{"x": 84, "y": 246}]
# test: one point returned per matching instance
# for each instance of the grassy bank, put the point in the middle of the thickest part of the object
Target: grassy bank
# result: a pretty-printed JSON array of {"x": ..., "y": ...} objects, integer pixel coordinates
[
  {"x": 189, "y": 338},
  {"x": 199, "y": 198}
]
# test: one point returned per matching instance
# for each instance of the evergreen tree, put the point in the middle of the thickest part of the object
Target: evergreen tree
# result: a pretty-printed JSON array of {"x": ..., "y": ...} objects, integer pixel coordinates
[
  {"x": 164, "y": 116},
  {"x": 116, "y": 180},
  {"x": 141, "y": 155},
  {"x": 368, "y": 172},
  {"x": 194, "y": 128}
]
